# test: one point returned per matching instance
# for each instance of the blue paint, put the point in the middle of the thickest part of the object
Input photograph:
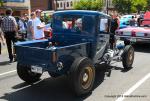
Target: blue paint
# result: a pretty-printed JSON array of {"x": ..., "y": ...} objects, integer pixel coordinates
[{"x": 68, "y": 44}]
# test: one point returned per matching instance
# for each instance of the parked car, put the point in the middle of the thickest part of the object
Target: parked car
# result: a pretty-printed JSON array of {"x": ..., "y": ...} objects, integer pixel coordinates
[
  {"x": 124, "y": 21},
  {"x": 72, "y": 51},
  {"x": 135, "y": 34}
]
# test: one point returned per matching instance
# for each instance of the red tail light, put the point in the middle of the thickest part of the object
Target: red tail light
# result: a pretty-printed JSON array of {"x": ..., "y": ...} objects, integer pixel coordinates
[{"x": 133, "y": 34}]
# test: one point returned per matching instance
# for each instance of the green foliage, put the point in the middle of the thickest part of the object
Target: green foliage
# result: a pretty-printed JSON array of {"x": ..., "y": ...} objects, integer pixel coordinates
[
  {"x": 130, "y": 6},
  {"x": 88, "y": 5},
  {"x": 140, "y": 4},
  {"x": 123, "y": 6},
  {"x": 148, "y": 4},
  {"x": 1, "y": 3}
]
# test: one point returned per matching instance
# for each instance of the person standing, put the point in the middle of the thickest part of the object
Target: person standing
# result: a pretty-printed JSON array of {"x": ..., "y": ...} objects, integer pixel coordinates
[
  {"x": 132, "y": 21},
  {"x": 22, "y": 28},
  {"x": 113, "y": 28},
  {"x": 38, "y": 26},
  {"x": 30, "y": 30},
  {"x": 9, "y": 27}
]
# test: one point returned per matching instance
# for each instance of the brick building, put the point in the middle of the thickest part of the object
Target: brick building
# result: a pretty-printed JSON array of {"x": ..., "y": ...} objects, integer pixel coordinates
[
  {"x": 25, "y": 6},
  {"x": 42, "y": 4}
]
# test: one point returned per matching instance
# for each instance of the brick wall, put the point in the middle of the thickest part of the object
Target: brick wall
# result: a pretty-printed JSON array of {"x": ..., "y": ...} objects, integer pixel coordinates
[{"x": 41, "y": 4}]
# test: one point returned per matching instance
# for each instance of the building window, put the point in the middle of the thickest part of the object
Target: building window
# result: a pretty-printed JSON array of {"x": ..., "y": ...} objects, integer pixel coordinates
[
  {"x": 71, "y": 3},
  {"x": 67, "y": 4},
  {"x": 61, "y": 5},
  {"x": 57, "y": 5}
]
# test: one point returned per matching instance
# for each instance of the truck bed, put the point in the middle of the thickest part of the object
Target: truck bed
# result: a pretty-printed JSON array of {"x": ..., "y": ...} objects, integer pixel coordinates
[{"x": 36, "y": 53}]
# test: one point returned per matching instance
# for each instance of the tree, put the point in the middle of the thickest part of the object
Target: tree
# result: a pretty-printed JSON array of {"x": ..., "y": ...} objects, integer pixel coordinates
[
  {"x": 148, "y": 4},
  {"x": 139, "y": 5},
  {"x": 1, "y": 3},
  {"x": 130, "y": 6},
  {"x": 88, "y": 5},
  {"x": 123, "y": 6}
]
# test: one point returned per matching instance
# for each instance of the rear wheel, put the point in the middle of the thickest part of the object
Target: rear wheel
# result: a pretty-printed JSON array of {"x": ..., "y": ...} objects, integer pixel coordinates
[
  {"x": 128, "y": 57},
  {"x": 82, "y": 76},
  {"x": 54, "y": 75},
  {"x": 25, "y": 73}
]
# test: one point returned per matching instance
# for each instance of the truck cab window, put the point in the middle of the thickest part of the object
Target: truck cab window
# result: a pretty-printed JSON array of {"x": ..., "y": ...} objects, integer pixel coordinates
[{"x": 103, "y": 25}]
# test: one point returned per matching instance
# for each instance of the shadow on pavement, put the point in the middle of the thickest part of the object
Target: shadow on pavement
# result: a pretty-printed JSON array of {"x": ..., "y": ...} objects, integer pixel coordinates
[
  {"x": 49, "y": 89},
  {"x": 121, "y": 69},
  {"x": 145, "y": 48},
  {"x": 100, "y": 74},
  {"x": 4, "y": 63}
]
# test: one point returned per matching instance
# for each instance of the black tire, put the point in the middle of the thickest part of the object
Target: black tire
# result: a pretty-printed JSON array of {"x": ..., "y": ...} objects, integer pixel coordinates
[
  {"x": 25, "y": 73},
  {"x": 54, "y": 75},
  {"x": 82, "y": 76},
  {"x": 128, "y": 57}
]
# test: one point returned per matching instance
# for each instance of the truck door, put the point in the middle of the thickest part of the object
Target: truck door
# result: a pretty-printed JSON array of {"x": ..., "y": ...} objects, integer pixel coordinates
[{"x": 102, "y": 37}]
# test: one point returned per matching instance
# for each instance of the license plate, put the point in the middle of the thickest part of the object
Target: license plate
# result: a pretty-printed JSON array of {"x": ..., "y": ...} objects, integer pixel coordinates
[
  {"x": 133, "y": 40},
  {"x": 36, "y": 69}
]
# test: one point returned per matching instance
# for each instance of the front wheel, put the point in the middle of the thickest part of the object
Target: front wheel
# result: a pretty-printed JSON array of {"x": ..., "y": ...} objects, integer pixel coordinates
[
  {"x": 82, "y": 76},
  {"x": 25, "y": 73},
  {"x": 128, "y": 57}
]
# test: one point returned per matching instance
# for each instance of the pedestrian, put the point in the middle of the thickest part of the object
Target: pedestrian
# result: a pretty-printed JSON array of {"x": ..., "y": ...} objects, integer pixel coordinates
[
  {"x": 22, "y": 28},
  {"x": 113, "y": 28},
  {"x": 30, "y": 30},
  {"x": 132, "y": 22},
  {"x": 26, "y": 18},
  {"x": 9, "y": 27},
  {"x": 38, "y": 26}
]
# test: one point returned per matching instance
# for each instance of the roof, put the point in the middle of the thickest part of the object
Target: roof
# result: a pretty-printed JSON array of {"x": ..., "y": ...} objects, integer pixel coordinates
[{"x": 82, "y": 12}]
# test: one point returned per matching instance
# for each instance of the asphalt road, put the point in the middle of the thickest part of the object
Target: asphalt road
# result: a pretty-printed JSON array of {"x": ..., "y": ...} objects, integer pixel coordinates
[{"x": 132, "y": 85}]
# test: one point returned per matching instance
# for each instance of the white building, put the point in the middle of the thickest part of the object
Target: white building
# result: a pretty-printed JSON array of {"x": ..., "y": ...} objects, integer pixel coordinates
[
  {"x": 64, "y": 4},
  {"x": 68, "y": 4}
]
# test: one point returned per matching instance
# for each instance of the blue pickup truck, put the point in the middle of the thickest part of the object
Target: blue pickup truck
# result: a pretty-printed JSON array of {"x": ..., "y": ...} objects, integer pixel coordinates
[{"x": 80, "y": 41}]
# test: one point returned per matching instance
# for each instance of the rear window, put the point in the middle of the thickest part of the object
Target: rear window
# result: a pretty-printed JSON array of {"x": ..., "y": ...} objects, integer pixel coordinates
[{"x": 73, "y": 23}]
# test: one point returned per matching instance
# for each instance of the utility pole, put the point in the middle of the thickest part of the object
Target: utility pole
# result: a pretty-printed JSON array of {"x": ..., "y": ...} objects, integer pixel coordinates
[
  {"x": 129, "y": 5},
  {"x": 56, "y": 5},
  {"x": 107, "y": 6},
  {"x": 29, "y": 7}
]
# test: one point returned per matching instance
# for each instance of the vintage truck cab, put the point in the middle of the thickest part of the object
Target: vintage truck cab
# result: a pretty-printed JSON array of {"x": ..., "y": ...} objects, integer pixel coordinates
[{"x": 80, "y": 40}]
